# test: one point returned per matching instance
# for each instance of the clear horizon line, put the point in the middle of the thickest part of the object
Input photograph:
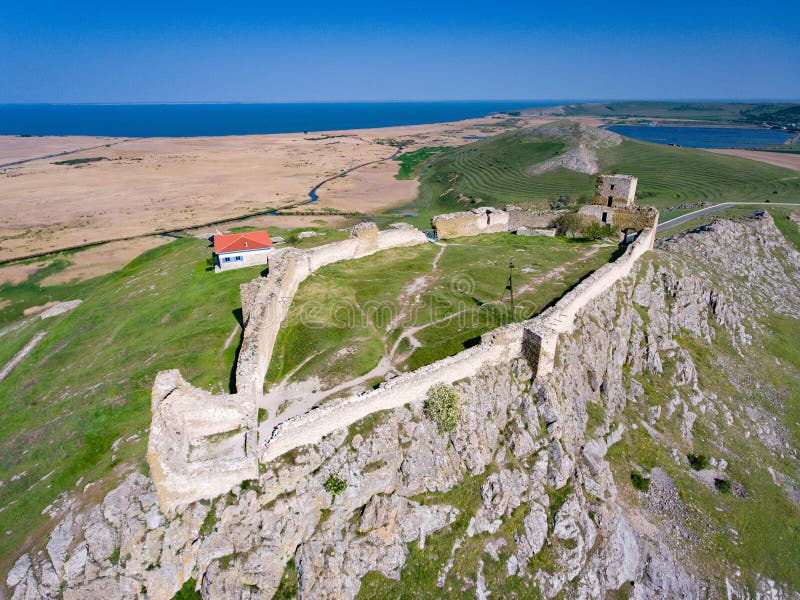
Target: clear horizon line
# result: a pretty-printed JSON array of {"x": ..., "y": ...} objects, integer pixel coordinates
[{"x": 549, "y": 101}]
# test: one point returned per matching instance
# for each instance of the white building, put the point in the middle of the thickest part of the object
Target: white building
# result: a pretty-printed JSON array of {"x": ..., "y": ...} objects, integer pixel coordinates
[{"x": 236, "y": 250}]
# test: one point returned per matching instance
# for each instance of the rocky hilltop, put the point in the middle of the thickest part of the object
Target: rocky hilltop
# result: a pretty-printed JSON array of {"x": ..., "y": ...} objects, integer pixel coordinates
[
  {"x": 601, "y": 478},
  {"x": 582, "y": 143}
]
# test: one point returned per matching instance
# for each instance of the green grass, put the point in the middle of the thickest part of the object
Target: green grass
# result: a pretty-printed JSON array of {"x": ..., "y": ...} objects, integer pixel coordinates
[
  {"x": 789, "y": 228},
  {"x": 187, "y": 591},
  {"x": 31, "y": 293},
  {"x": 493, "y": 172},
  {"x": 410, "y": 161},
  {"x": 350, "y": 305},
  {"x": 288, "y": 586},
  {"x": 88, "y": 381}
]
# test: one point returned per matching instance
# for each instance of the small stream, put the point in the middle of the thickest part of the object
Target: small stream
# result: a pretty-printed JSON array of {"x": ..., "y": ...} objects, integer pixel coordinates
[{"x": 312, "y": 195}]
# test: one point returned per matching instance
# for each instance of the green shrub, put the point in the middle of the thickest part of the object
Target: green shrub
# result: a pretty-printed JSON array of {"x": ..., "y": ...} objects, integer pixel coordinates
[
  {"x": 441, "y": 407},
  {"x": 597, "y": 415},
  {"x": 209, "y": 522},
  {"x": 597, "y": 231},
  {"x": 569, "y": 223},
  {"x": 698, "y": 461},
  {"x": 187, "y": 592},
  {"x": 640, "y": 483},
  {"x": 335, "y": 484},
  {"x": 722, "y": 485}
]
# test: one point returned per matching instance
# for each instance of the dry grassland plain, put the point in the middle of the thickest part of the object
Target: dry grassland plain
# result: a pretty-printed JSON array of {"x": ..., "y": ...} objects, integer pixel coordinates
[{"x": 142, "y": 186}]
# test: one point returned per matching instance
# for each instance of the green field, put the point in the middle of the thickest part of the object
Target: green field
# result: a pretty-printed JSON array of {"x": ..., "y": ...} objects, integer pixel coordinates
[
  {"x": 494, "y": 172},
  {"x": 88, "y": 382},
  {"x": 347, "y": 316},
  {"x": 410, "y": 161},
  {"x": 776, "y": 114}
]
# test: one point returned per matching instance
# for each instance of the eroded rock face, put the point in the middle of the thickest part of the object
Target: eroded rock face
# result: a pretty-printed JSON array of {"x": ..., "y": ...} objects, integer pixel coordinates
[{"x": 547, "y": 509}]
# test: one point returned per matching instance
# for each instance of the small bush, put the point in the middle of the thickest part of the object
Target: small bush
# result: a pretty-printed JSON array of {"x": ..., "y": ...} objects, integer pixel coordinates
[
  {"x": 335, "y": 484},
  {"x": 441, "y": 407},
  {"x": 262, "y": 415},
  {"x": 187, "y": 592},
  {"x": 569, "y": 224},
  {"x": 698, "y": 462},
  {"x": 722, "y": 485},
  {"x": 640, "y": 483},
  {"x": 597, "y": 415},
  {"x": 598, "y": 231}
]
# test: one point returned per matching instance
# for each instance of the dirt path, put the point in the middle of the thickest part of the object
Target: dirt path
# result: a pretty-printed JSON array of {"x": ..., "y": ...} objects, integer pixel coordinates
[{"x": 20, "y": 356}]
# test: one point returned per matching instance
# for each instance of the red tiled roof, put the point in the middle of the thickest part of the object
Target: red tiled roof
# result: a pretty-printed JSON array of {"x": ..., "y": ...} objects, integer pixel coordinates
[{"x": 236, "y": 242}]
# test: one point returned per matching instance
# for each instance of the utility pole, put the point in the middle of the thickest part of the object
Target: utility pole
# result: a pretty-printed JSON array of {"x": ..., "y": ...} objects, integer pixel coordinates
[{"x": 510, "y": 286}]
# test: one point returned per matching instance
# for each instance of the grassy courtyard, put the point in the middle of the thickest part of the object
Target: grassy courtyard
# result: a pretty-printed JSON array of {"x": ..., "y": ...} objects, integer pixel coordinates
[{"x": 348, "y": 316}]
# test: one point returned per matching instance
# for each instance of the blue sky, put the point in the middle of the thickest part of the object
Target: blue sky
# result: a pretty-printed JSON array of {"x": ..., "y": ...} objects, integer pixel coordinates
[{"x": 89, "y": 51}]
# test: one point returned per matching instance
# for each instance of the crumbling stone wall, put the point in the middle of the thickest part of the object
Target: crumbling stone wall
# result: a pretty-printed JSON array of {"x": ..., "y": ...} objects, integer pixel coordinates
[
  {"x": 635, "y": 217},
  {"x": 201, "y": 445},
  {"x": 473, "y": 222},
  {"x": 531, "y": 219}
]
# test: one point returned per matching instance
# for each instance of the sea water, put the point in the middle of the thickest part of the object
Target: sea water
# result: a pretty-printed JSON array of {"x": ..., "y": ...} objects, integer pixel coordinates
[
  {"x": 704, "y": 137},
  {"x": 180, "y": 120}
]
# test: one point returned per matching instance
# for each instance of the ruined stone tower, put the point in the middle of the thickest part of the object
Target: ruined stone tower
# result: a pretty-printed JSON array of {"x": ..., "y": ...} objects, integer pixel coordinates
[
  {"x": 615, "y": 191},
  {"x": 613, "y": 204}
]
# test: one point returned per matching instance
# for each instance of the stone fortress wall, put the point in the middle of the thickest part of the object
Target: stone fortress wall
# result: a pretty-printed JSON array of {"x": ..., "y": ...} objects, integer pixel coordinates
[
  {"x": 536, "y": 339},
  {"x": 201, "y": 445},
  {"x": 471, "y": 222}
]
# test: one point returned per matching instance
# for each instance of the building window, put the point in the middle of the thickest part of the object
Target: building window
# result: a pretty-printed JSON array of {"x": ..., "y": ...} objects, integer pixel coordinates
[
  {"x": 227, "y": 259},
  {"x": 612, "y": 187},
  {"x": 239, "y": 258},
  {"x": 605, "y": 217}
]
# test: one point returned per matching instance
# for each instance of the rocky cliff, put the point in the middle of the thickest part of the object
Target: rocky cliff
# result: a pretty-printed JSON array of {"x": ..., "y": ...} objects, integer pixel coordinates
[{"x": 600, "y": 478}]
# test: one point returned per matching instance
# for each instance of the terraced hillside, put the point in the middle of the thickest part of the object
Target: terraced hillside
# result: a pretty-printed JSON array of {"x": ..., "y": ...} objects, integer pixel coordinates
[{"x": 496, "y": 171}]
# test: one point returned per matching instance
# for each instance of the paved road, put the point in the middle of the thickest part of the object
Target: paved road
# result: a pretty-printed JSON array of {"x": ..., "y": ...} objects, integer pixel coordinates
[{"x": 714, "y": 208}]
